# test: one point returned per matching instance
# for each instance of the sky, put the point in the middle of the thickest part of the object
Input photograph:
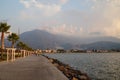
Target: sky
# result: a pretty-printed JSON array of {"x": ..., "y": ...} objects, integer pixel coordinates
[{"x": 85, "y": 18}]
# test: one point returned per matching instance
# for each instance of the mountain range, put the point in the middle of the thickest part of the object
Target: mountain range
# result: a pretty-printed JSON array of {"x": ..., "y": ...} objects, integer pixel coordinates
[{"x": 40, "y": 39}]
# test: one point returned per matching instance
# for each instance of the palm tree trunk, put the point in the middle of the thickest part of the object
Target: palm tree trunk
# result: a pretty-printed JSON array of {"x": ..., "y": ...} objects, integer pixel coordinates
[
  {"x": 2, "y": 40},
  {"x": 12, "y": 44},
  {"x": 2, "y": 43}
]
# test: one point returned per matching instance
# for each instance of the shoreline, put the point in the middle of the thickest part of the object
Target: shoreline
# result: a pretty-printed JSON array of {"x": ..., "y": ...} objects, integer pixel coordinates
[{"x": 68, "y": 71}]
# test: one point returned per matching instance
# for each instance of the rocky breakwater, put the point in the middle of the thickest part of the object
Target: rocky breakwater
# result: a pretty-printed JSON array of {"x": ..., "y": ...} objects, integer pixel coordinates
[{"x": 68, "y": 71}]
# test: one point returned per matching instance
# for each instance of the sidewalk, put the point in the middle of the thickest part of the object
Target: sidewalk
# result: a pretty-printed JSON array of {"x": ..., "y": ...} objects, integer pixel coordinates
[{"x": 30, "y": 68}]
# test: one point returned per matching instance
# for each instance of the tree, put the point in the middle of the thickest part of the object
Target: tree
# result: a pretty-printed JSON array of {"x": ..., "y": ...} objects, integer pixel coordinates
[
  {"x": 24, "y": 46},
  {"x": 4, "y": 27},
  {"x": 13, "y": 38},
  {"x": 20, "y": 45}
]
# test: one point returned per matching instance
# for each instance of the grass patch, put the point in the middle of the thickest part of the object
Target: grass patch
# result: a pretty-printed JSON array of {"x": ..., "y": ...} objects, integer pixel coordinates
[{"x": 3, "y": 58}]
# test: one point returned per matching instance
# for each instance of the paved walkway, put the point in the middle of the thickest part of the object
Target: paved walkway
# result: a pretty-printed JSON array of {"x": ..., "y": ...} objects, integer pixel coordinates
[{"x": 30, "y": 68}]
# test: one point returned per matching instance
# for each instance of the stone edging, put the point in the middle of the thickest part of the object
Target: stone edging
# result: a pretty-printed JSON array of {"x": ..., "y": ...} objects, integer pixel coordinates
[{"x": 68, "y": 71}]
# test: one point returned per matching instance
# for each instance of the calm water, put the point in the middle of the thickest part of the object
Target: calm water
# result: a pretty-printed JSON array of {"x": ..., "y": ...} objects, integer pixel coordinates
[{"x": 105, "y": 66}]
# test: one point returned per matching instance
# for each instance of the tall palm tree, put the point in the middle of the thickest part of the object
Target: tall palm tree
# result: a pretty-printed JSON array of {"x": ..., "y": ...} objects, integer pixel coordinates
[
  {"x": 4, "y": 27},
  {"x": 13, "y": 38}
]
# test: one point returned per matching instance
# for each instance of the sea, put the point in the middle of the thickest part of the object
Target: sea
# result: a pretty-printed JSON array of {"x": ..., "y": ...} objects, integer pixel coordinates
[{"x": 98, "y": 66}]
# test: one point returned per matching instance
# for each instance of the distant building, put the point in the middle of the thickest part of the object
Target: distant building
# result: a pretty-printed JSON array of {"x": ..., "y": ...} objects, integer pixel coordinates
[
  {"x": 61, "y": 51},
  {"x": 89, "y": 51}
]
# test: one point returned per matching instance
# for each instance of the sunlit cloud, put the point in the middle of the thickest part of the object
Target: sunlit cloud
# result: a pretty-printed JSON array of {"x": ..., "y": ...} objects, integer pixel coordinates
[
  {"x": 63, "y": 1},
  {"x": 47, "y": 9},
  {"x": 114, "y": 30},
  {"x": 63, "y": 29},
  {"x": 99, "y": 18},
  {"x": 104, "y": 17}
]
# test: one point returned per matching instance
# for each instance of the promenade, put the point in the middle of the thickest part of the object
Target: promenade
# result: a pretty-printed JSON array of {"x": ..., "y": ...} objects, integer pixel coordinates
[{"x": 30, "y": 68}]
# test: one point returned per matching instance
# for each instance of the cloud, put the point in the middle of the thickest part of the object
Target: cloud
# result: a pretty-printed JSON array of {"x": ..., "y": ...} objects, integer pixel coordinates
[
  {"x": 102, "y": 20},
  {"x": 46, "y": 8},
  {"x": 105, "y": 18},
  {"x": 63, "y": 1},
  {"x": 63, "y": 29},
  {"x": 114, "y": 30},
  {"x": 91, "y": 18},
  {"x": 26, "y": 3}
]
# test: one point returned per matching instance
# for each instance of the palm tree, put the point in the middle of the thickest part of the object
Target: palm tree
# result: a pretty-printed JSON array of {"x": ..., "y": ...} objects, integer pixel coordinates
[
  {"x": 4, "y": 27},
  {"x": 13, "y": 38},
  {"x": 20, "y": 45},
  {"x": 24, "y": 46}
]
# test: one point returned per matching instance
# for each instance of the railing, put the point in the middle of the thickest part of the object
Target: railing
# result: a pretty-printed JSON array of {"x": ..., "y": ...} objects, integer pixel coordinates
[{"x": 12, "y": 53}]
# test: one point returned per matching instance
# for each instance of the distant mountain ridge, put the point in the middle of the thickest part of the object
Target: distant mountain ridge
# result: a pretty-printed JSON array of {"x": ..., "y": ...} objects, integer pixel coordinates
[
  {"x": 39, "y": 39},
  {"x": 104, "y": 45}
]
